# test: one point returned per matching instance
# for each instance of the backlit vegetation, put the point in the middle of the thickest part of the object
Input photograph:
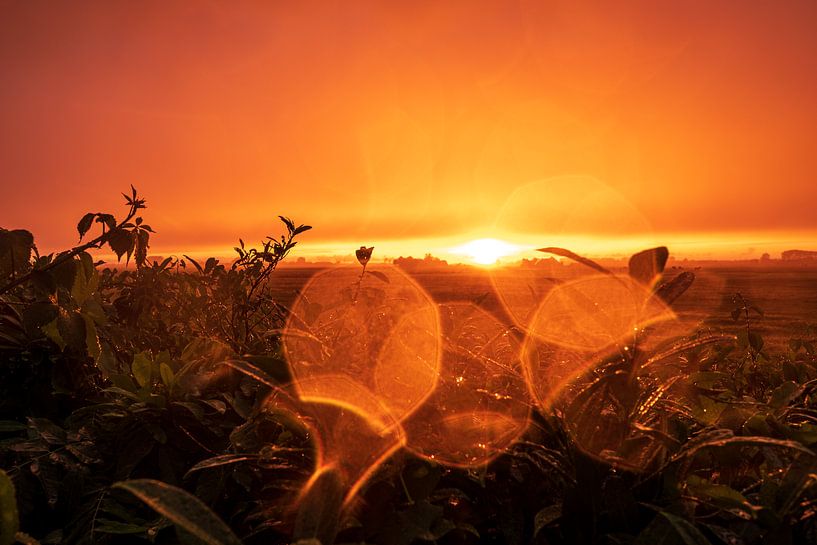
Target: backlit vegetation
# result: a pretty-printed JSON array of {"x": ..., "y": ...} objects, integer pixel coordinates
[{"x": 179, "y": 401}]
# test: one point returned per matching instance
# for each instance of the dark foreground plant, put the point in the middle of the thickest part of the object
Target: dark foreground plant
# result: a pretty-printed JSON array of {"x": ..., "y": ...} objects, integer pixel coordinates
[{"x": 123, "y": 420}]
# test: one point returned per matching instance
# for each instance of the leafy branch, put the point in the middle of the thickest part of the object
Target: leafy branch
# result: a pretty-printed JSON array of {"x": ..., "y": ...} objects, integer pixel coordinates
[{"x": 126, "y": 237}]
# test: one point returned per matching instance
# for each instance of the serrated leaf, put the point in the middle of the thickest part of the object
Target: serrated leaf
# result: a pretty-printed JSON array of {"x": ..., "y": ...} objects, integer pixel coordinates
[
  {"x": 52, "y": 331},
  {"x": 121, "y": 242},
  {"x": 107, "y": 220},
  {"x": 142, "y": 240},
  {"x": 182, "y": 508}
]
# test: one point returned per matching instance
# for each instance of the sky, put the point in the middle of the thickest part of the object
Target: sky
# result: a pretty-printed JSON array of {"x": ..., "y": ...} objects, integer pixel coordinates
[{"x": 415, "y": 126}]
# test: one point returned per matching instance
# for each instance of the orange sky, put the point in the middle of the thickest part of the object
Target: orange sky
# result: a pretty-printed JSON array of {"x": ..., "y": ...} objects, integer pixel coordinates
[{"x": 415, "y": 121}]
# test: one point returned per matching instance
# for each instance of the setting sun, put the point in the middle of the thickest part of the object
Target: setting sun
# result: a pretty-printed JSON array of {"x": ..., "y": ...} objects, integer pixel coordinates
[{"x": 486, "y": 251}]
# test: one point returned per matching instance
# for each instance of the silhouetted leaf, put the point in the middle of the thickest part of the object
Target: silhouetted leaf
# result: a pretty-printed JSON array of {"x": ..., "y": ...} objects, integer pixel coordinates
[
  {"x": 141, "y": 254},
  {"x": 575, "y": 257},
  {"x": 672, "y": 290},
  {"x": 646, "y": 266},
  {"x": 183, "y": 509},
  {"x": 15, "y": 252},
  {"x": 755, "y": 341},
  {"x": 121, "y": 242},
  {"x": 107, "y": 220},
  {"x": 288, "y": 223},
  {"x": 85, "y": 224},
  {"x": 195, "y": 263}
]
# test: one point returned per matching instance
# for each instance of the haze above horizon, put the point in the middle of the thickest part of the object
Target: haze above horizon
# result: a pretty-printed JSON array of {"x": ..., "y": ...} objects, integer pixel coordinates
[{"x": 416, "y": 128}]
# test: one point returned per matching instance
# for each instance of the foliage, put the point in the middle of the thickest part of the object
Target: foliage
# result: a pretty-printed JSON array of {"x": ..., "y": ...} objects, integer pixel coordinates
[{"x": 131, "y": 412}]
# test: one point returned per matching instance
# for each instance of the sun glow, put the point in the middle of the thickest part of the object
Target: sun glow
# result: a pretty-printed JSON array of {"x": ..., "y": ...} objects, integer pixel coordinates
[{"x": 486, "y": 251}]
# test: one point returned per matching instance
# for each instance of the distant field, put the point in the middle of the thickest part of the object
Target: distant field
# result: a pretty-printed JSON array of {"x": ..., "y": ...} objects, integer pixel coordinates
[{"x": 788, "y": 297}]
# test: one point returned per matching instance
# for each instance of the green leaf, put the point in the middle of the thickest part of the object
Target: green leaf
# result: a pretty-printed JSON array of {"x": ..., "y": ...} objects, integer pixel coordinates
[
  {"x": 7, "y": 426},
  {"x": 785, "y": 394},
  {"x": 105, "y": 526},
  {"x": 85, "y": 224},
  {"x": 52, "y": 331},
  {"x": 545, "y": 517},
  {"x": 720, "y": 494},
  {"x": 755, "y": 341},
  {"x": 9, "y": 519},
  {"x": 86, "y": 280},
  {"x": 218, "y": 461},
  {"x": 167, "y": 374},
  {"x": 107, "y": 362},
  {"x": 667, "y": 529},
  {"x": 91, "y": 338},
  {"x": 186, "y": 511},
  {"x": 141, "y": 368}
]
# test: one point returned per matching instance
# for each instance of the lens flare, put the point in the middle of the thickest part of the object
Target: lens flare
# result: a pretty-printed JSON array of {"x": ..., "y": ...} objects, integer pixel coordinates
[
  {"x": 481, "y": 403},
  {"x": 367, "y": 341}
]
